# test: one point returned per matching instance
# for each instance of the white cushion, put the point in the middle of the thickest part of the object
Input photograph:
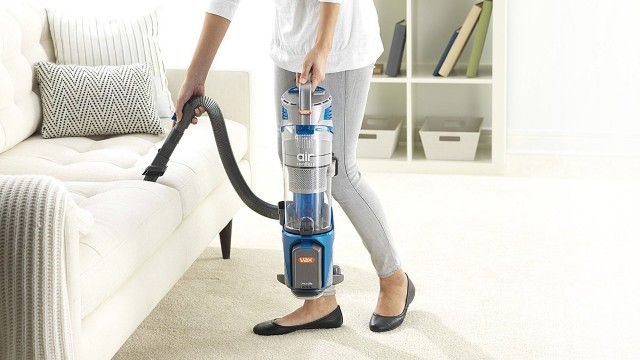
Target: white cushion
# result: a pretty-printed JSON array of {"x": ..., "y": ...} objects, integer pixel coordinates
[
  {"x": 96, "y": 100},
  {"x": 24, "y": 40},
  {"x": 131, "y": 220},
  {"x": 111, "y": 40},
  {"x": 194, "y": 170}
]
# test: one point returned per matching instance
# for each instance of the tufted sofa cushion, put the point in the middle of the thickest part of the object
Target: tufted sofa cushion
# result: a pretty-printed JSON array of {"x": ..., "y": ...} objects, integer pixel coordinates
[
  {"x": 194, "y": 171},
  {"x": 131, "y": 220},
  {"x": 24, "y": 40}
]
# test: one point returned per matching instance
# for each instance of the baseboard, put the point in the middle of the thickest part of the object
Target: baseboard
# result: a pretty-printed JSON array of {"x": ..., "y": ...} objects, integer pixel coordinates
[{"x": 570, "y": 143}]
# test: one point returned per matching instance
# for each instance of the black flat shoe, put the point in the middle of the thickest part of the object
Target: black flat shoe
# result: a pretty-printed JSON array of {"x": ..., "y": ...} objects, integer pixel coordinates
[
  {"x": 379, "y": 323},
  {"x": 333, "y": 320}
]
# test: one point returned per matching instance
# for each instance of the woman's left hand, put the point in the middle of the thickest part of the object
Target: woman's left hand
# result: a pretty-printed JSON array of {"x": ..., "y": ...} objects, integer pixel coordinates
[{"x": 314, "y": 67}]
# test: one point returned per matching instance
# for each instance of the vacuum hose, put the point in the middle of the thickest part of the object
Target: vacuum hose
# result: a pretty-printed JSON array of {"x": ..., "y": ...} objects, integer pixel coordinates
[{"x": 159, "y": 164}]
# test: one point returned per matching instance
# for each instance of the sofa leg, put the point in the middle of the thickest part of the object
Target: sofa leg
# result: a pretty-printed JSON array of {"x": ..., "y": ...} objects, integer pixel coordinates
[{"x": 225, "y": 241}]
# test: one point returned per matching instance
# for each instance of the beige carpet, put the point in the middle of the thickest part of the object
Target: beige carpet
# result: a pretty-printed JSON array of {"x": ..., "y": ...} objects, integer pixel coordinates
[
  {"x": 539, "y": 264},
  {"x": 210, "y": 313}
]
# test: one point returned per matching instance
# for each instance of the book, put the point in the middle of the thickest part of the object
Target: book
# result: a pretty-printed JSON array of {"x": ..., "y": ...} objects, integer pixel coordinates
[
  {"x": 481, "y": 35},
  {"x": 397, "y": 48},
  {"x": 461, "y": 40},
  {"x": 446, "y": 51}
]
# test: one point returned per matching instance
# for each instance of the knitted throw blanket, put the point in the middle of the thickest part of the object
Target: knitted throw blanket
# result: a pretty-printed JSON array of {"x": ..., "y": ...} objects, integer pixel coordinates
[{"x": 34, "y": 306}]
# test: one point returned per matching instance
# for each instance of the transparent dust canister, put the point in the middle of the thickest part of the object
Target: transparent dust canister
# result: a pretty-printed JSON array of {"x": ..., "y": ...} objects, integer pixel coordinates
[{"x": 308, "y": 168}]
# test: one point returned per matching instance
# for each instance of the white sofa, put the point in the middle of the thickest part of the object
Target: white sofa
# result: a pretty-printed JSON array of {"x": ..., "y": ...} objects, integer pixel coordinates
[{"x": 126, "y": 241}]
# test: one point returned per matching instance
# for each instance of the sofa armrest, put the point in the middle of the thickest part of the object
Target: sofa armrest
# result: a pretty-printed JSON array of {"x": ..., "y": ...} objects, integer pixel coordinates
[
  {"x": 37, "y": 264},
  {"x": 232, "y": 90}
]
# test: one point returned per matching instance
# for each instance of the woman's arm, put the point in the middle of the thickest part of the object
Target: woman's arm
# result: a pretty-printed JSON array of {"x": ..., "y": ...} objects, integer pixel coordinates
[
  {"x": 213, "y": 31},
  {"x": 315, "y": 63}
]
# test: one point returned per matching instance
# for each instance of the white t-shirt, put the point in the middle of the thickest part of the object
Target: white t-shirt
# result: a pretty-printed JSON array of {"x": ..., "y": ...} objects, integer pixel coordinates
[{"x": 356, "y": 41}]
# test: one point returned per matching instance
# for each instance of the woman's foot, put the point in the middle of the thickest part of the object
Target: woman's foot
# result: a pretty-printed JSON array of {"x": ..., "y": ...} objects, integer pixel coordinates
[
  {"x": 322, "y": 313},
  {"x": 310, "y": 311},
  {"x": 393, "y": 293},
  {"x": 388, "y": 301}
]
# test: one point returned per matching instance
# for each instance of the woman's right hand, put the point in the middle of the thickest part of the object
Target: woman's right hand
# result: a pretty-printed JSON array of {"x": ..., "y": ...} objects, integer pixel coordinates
[{"x": 190, "y": 87}]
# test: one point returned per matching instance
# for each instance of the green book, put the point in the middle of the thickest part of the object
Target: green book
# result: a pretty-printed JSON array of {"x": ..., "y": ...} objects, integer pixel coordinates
[{"x": 481, "y": 35}]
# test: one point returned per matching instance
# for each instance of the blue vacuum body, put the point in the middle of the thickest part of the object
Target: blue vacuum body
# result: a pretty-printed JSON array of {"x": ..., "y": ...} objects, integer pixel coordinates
[{"x": 306, "y": 215}]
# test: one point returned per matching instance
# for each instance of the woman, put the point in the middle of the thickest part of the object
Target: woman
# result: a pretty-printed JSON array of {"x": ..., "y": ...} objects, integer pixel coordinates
[{"x": 333, "y": 44}]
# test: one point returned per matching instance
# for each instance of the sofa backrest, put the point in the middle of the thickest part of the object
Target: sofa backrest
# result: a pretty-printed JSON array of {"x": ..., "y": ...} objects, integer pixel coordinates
[{"x": 24, "y": 40}]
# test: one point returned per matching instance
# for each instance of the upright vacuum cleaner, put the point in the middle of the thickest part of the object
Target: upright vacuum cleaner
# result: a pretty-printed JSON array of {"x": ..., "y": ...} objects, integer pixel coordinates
[{"x": 305, "y": 214}]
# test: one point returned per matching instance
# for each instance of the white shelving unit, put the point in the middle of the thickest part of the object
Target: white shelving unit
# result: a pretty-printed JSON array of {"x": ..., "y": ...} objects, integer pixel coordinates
[{"x": 416, "y": 93}]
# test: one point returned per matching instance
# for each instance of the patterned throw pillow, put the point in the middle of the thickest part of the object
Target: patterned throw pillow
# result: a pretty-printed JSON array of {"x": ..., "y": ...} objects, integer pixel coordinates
[
  {"x": 96, "y": 100},
  {"x": 111, "y": 40}
]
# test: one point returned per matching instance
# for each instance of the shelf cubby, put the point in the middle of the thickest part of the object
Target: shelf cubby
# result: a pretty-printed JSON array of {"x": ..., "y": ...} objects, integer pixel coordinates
[{"x": 416, "y": 93}]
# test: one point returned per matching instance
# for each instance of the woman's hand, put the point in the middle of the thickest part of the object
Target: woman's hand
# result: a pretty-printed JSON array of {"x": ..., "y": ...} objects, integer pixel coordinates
[
  {"x": 315, "y": 63},
  {"x": 314, "y": 67},
  {"x": 190, "y": 87},
  {"x": 211, "y": 35}
]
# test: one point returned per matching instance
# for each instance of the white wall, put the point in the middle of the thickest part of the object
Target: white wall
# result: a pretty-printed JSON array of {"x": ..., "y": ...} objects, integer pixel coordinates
[
  {"x": 573, "y": 77},
  {"x": 573, "y": 68}
]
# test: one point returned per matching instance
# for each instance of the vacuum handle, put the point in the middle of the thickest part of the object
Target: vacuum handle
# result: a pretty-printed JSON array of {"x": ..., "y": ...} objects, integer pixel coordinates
[
  {"x": 305, "y": 103},
  {"x": 188, "y": 113}
]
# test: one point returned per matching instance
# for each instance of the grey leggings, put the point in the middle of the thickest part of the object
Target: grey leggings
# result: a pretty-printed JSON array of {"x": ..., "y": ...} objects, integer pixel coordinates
[{"x": 350, "y": 90}]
